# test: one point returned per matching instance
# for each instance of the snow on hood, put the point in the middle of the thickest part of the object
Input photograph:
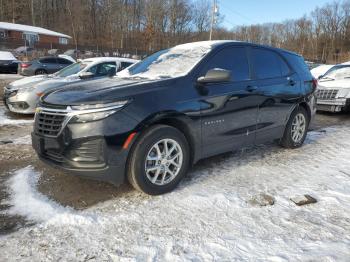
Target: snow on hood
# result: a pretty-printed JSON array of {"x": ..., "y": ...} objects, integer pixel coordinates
[
  {"x": 24, "y": 82},
  {"x": 7, "y": 56},
  {"x": 331, "y": 84}
]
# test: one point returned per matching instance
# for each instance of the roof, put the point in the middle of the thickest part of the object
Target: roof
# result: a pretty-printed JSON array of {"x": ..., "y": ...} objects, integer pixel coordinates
[
  {"x": 30, "y": 29},
  {"x": 4, "y": 55}
]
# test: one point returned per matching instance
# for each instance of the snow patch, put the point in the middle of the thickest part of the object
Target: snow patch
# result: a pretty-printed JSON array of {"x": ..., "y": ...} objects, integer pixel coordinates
[
  {"x": 26, "y": 201},
  {"x": 5, "y": 120},
  {"x": 24, "y": 140},
  {"x": 209, "y": 217}
]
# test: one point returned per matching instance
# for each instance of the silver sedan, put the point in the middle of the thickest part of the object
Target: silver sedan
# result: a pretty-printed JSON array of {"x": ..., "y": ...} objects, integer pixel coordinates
[{"x": 23, "y": 95}]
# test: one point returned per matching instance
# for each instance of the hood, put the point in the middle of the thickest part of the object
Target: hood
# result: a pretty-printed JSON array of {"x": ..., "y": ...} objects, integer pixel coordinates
[
  {"x": 333, "y": 84},
  {"x": 107, "y": 89},
  {"x": 27, "y": 81}
]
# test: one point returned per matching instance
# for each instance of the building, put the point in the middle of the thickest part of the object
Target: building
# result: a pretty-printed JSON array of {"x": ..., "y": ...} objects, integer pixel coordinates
[{"x": 34, "y": 36}]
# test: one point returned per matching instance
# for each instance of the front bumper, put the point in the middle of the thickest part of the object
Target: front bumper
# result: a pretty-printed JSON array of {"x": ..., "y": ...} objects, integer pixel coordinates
[
  {"x": 333, "y": 105},
  {"x": 20, "y": 102},
  {"x": 93, "y": 150}
]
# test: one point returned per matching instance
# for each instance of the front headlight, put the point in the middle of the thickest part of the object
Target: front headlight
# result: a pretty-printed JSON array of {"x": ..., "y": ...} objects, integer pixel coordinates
[
  {"x": 342, "y": 93},
  {"x": 88, "y": 113},
  {"x": 83, "y": 118},
  {"x": 117, "y": 104}
]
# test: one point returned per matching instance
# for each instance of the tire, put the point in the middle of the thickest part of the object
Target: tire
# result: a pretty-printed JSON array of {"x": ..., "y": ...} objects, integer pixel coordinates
[
  {"x": 40, "y": 72},
  {"x": 141, "y": 170},
  {"x": 289, "y": 139}
]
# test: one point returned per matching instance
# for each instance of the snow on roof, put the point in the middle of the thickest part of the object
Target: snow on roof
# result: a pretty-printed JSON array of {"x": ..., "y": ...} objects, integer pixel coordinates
[
  {"x": 101, "y": 59},
  {"x": 6, "y": 56},
  {"x": 30, "y": 29}
]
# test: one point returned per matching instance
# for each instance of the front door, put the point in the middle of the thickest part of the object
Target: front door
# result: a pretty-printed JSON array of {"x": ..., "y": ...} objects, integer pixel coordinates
[{"x": 229, "y": 109}]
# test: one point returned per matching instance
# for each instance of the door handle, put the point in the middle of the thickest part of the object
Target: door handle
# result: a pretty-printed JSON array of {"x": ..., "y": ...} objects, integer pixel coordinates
[
  {"x": 291, "y": 81},
  {"x": 251, "y": 88}
]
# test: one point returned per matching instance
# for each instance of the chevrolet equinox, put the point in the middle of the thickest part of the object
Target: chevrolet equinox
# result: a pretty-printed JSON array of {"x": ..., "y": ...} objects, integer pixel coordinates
[{"x": 155, "y": 119}]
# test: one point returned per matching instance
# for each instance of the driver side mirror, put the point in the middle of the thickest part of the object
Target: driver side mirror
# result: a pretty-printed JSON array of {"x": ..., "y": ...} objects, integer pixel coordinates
[
  {"x": 86, "y": 75},
  {"x": 319, "y": 77},
  {"x": 215, "y": 75}
]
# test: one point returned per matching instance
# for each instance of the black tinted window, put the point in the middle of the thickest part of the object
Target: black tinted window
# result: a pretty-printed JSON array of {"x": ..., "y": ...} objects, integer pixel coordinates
[
  {"x": 233, "y": 59},
  {"x": 48, "y": 60},
  {"x": 268, "y": 64},
  {"x": 124, "y": 65},
  {"x": 64, "y": 61},
  {"x": 105, "y": 69}
]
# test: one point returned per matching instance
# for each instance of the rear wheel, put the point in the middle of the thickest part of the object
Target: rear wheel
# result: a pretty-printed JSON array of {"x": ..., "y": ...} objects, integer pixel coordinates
[
  {"x": 40, "y": 72},
  {"x": 296, "y": 129},
  {"x": 159, "y": 160}
]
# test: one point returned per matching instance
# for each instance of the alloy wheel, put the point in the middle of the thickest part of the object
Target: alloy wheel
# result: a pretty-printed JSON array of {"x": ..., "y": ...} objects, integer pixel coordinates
[
  {"x": 163, "y": 162},
  {"x": 298, "y": 128}
]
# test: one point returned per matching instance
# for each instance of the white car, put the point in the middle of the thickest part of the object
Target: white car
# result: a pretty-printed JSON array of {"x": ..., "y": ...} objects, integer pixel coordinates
[
  {"x": 320, "y": 70},
  {"x": 333, "y": 89},
  {"x": 22, "y": 96}
]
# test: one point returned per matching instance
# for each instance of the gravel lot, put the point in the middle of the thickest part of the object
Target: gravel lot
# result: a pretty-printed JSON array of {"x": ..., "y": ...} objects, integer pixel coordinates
[{"x": 79, "y": 195}]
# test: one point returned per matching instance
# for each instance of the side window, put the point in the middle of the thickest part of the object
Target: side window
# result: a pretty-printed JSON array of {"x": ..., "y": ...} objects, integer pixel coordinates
[
  {"x": 268, "y": 64},
  {"x": 233, "y": 59},
  {"x": 105, "y": 69},
  {"x": 64, "y": 61},
  {"x": 124, "y": 65},
  {"x": 48, "y": 60},
  {"x": 93, "y": 69}
]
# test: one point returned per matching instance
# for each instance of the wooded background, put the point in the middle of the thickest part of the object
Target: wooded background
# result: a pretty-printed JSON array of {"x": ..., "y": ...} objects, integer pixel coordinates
[{"x": 323, "y": 35}]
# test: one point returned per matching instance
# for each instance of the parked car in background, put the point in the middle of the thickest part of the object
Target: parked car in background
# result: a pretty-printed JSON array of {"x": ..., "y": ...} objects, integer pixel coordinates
[
  {"x": 23, "y": 95},
  {"x": 72, "y": 53},
  {"x": 24, "y": 50},
  {"x": 163, "y": 114},
  {"x": 44, "y": 65},
  {"x": 8, "y": 63},
  {"x": 320, "y": 70},
  {"x": 333, "y": 89}
]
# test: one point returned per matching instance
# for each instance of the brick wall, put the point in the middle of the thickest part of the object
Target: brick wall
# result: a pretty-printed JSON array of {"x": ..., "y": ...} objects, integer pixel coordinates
[{"x": 43, "y": 39}]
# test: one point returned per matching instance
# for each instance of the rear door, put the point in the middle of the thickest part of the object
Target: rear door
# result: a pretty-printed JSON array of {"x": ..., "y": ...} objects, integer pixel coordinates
[
  {"x": 229, "y": 109},
  {"x": 279, "y": 90}
]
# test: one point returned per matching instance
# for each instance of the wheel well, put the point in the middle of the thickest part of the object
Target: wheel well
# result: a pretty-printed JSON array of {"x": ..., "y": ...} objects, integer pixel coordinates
[
  {"x": 181, "y": 126},
  {"x": 307, "y": 108}
]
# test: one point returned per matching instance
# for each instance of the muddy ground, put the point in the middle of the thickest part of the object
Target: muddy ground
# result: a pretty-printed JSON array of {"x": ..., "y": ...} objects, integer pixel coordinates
[{"x": 66, "y": 189}]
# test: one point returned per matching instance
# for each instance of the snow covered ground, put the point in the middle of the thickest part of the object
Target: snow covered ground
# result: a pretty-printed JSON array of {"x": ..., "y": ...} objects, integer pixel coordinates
[
  {"x": 5, "y": 119},
  {"x": 212, "y": 216}
]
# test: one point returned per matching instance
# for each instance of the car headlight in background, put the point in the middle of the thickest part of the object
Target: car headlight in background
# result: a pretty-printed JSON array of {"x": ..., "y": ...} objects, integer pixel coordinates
[{"x": 342, "y": 93}]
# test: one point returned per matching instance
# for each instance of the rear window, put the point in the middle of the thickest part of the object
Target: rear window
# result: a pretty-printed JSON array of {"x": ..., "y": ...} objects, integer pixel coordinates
[
  {"x": 299, "y": 65},
  {"x": 268, "y": 64}
]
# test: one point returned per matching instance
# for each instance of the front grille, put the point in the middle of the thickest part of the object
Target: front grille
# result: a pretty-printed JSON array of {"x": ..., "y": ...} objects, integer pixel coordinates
[
  {"x": 326, "y": 94},
  {"x": 49, "y": 123}
]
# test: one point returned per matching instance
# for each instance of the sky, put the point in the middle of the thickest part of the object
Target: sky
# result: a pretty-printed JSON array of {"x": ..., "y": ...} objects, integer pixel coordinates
[{"x": 247, "y": 12}]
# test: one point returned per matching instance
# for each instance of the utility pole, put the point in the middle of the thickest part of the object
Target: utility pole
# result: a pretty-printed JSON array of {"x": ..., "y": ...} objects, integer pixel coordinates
[{"x": 213, "y": 16}]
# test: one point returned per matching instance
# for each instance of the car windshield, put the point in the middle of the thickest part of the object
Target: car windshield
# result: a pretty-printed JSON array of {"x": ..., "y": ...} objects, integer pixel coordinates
[
  {"x": 172, "y": 62},
  {"x": 72, "y": 69},
  {"x": 337, "y": 73}
]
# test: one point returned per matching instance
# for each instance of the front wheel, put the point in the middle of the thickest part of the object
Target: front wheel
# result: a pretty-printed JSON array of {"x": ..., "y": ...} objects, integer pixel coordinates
[
  {"x": 159, "y": 160},
  {"x": 296, "y": 129}
]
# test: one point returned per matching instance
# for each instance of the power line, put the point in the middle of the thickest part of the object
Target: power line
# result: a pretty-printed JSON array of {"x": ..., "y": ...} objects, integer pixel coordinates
[{"x": 239, "y": 14}]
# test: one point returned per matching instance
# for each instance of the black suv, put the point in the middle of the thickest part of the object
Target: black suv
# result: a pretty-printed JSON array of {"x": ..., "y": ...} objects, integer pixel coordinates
[{"x": 155, "y": 119}]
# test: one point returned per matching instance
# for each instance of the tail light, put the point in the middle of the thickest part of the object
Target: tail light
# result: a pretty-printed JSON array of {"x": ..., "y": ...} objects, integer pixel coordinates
[
  {"x": 25, "y": 65},
  {"x": 314, "y": 84}
]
